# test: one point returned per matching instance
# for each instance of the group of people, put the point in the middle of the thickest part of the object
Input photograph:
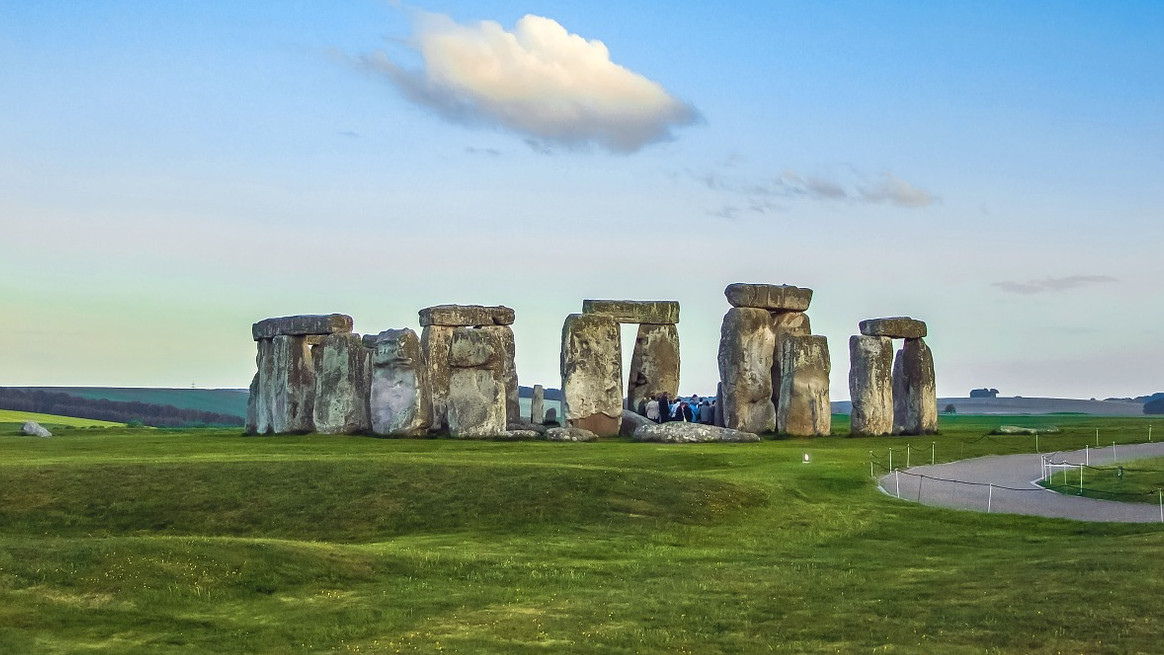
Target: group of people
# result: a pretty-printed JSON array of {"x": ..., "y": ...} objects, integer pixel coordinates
[{"x": 663, "y": 408}]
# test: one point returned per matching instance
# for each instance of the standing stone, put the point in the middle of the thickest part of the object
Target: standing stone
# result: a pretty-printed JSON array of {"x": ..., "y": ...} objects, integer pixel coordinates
[
  {"x": 537, "y": 405},
  {"x": 265, "y": 394},
  {"x": 343, "y": 376},
  {"x": 508, "y": 370},
  {"x": 291, "y": 385},
  {"x": 921, "y": 398},
  {"x": 805, "y": 409},
  {"x": 871, "y": 385},
  {"x": 718, "y": 417},
  {"x": 746, "y": 346},
  {"x": 900, "y": 393},
  {"x": 252, "y": 426},
  {"x": 476, "y": 399},
  {"x": 434, "y": 344},
  {"x": 399, "y": 402},
  {"x": 785, "y": 324},
  {"x": 654, "y": 367},
  {"x": 591, "y": 366}
]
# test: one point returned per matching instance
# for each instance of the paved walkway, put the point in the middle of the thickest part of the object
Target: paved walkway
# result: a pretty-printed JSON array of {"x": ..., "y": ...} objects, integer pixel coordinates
[{"x": 1008, "y": 484}]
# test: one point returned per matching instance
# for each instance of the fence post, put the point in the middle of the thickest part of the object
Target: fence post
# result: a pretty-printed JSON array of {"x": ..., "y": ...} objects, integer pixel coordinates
[
  {"x": 1080, "y": 480},
  {"x": 919, "y": 484},
  {"x": 1114, "y": 458},
  {"x": 897, "y": 479},
  {"x": 934, "y": 451},
  {"x": 891, "y": 459},
  {"x": 1149, "y": 434},
  {"x": 1086, "y": 455},
  {"x": 1160, "y": 494},
  {"x": 871, "y": 474},
  {"x": 989, "y": 497},
  {"x": 1097, "y": 437},
  {"x": 1037, "y": 442},
  {"x": 907, "y": 455}
]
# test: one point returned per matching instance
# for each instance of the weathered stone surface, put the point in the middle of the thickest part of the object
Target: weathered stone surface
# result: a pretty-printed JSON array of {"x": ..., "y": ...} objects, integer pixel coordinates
[
  {"x": 476, "y": 401},
  {"x": 654, "y": 312},
  {"x": 591, "y": 367},
  {"x": 920, "y": 408},
  {"x": 399, "y": 403},
  {"x": 631, "y": 421},
  {"x": 343, "y": 376},
  {"x": 805, "y": 410},
  {"x": 508, "y": 369},
  {"x": 522, "y": 426},
  {"x": 871, "y": 385},
  {"x": 297, "y": 326},
  {"x": 746, "y": 346},
  {"x": 654, "y": 366},
  {"x": 434, "y": 344},
  {"x": 772, "y": 297},
  {"x": 252, "y": 425},
  {"x": 290, "y": 385},
  {"x": 897, "y": 327},
  {"x": 900, "y": 394},
  {"x": 265, "y": 395},
  {"x": 719, "y": 404},
  {"x": 34, "y": 429},
  {"x": 519, "y": 435},
  {"x": 537, "y": 405},
  {"x": 680, "y": 432},
  {"x": 466, "y": 315},
  {"x": 785, "y": 324},
  {"x": 551, "y": 417},
  {"x": 570, "y": 434}
]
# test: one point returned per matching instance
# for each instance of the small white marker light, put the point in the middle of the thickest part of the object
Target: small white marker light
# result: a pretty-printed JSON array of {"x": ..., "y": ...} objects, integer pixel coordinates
[{"x": 807, "y": 458}]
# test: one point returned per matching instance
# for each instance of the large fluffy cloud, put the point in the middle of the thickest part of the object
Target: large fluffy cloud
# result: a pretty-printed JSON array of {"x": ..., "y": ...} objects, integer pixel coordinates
[{"x": 538, "y": 80}]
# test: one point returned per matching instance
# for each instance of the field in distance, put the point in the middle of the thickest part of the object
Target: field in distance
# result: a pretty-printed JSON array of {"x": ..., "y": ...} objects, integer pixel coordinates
[
  {"x": 17, "y": 419},
  {"x": 168, "y": 541}
]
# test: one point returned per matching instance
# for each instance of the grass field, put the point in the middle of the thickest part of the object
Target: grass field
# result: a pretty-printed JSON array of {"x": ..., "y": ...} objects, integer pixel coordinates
[
  {"x": 219, "y": 401},
  {"x": 1138, "y": 481},
  {"x": 11, "y": 420},
  {"x": 202, "y": 541}
]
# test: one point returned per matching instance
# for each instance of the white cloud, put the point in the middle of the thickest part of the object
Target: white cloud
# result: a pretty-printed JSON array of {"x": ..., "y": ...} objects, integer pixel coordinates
[
  {"x": 1053, "y": 284},
  {"x": 538, "y": 80}
]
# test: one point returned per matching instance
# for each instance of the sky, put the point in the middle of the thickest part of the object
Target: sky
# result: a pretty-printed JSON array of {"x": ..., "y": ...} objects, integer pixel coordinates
[{"x": 172, "y": 172}]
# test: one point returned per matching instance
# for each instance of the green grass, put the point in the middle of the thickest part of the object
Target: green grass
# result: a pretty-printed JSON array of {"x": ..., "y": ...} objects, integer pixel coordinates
[
  {"x": 1138, "y": 481},
  {"x": 220, "y": 401},
  {"x": 10, "y": 416},
  {"x": 203, "y": 541}
]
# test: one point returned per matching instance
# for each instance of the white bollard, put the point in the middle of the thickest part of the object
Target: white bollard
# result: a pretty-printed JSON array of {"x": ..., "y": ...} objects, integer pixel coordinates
[
  {"x": 897, "y": 479},
  {"x": 989, "y": 498},
  {"x": 934, "y": 452}
]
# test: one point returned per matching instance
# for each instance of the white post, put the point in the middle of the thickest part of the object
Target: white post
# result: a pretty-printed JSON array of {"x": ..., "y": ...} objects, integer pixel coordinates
[
  {"x": 1149, "y": 434},
  {"x": 907, "y": 456},
  {"x": 919, "y": 484},
  {"x": 1086, "y": 455},
  {"x": 989, "y": 498},
  {"x": 934, "y": 449},
  {"x": 1097, "y": 437},
  {"x": 1080, "y": 480},
  {"x": 1037, "y": 443},
  {"x": 897, "y": 479},
  {"x": 1160, "y": 494},
  {"x": 871, "y": 474},
  {"x": 1113, "y": 453},
  {"x": 891, "y": 459}
]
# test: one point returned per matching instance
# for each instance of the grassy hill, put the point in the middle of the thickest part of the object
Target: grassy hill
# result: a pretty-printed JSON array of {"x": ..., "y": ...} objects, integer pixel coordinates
[
  {"x": 203, "y": 541},
  {"x": 11, "y": 420},
  {"x": 219, "y": 401}
]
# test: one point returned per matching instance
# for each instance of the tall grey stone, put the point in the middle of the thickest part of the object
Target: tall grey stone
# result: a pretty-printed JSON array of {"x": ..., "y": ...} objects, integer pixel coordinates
[
  {"x": 343, "y": 376},
  {"x": 434, "y": 344},
  {"x": 785, "y": 324},
  {"x": 291, "y": 385},
  {"x": 746, "y": 348},
  {"x": 265, "y": 393},
  {"x": 537, "y": 405},
  {"x": 871, "y": 385},
  {"x": 476, "y": 398},
  {"x": 900, "y": 393},
  {"x": 654, "y": 366},
  {"x": 508, "y": 369},
  {"x": 718, "y": 416},
  {"x": 654, "y": 312},
  {"x": 252, "y": 425},
  {"x": 400, "y": 403},
  {"x": 805, "y": 409},
  {"x": 920, "y": 407},
  {"x": 591, "y": 367}
]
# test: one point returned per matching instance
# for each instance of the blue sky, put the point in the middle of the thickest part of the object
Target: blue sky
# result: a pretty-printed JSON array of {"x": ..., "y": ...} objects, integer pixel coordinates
[{"x": 172, "y": 172}]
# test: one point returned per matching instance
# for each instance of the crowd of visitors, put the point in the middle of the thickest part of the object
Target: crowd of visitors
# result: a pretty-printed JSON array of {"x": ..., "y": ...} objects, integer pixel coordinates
[{"x": 663, "y": 408}]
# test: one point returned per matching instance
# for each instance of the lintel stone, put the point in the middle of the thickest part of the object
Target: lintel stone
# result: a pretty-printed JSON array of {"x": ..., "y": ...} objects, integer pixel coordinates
[
  {"x": 649, "y": 312},
  {"x": 466, "y": 315},
  {"x": 896, "y": 327},
  {"x": 298, "y": 326},
  {"x": 772, "y": 297}
]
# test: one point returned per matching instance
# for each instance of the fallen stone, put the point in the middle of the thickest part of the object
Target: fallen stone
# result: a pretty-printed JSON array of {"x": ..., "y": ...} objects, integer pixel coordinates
[
  {"x": 805, "y": 410},
  {"x": 524, "y": 426},
  {"x": 466, "y": 315},
  {"x": 570, "y": 434},
  {"x": 34, "y": 429},
  {"x": 746, "y": 351},
  {"x": 537, "y": 405},
  {"x": 632, "y": 421},
  {"x": 591, "y": 367},
  {"x": 518, "y": 435},
  {"x": 343, "y": 376},
  {"x": 399, "y": 402},
  {"x": 434, "y": 344},
  {"x": 654, "y": 312},
  {"x": 871, "y": 385},
  {"x": 297, "y": 326},
  {"x": 654, "y": 365},
  {"x": 897, "y": 327},
  {"x": 681, "y": 432},
  {"x": 772, "y": 297},
  {"x": 1015, "y": 429}
]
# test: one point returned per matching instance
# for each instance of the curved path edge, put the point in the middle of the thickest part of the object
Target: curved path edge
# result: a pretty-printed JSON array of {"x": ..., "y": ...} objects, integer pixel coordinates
[{"x": 1008, "y": 484}]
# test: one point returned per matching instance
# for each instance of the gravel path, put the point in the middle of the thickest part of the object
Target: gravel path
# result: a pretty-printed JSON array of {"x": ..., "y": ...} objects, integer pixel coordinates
[{"x": 1007, "y": 484}]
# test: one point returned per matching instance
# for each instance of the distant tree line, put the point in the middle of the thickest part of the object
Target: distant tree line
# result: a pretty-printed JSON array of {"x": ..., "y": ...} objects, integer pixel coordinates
[{"x": 63, "y": 404}]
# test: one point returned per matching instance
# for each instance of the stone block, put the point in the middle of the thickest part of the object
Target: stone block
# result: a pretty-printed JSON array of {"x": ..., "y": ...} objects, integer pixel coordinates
[
  {"x": 476, "y": 404},
  {"x": 772, "y": 297},
  {"x": 917, "y": 411},
  {"x": 399, "y": 402},
  {"x": 343, "y": 377},
  {"x": 298, "y": 326},
  {"x": 537, "y": 405},
  {"x": 680, "y": 432},
  {"x": 652, "y": 312},
  {"x": 466, "y": 315},
  {"x": 591, "y": 368},
  {"x": 805, "y": 409},
  {"x": 785, "y": 324},
  {"x": 289, "y": 385},
  {"x": 654, "y": 366},
  {"x": 435, "y": 341},
  {"x": 871, "y": 385},
  {"x": 896, "y": 327},
  {"x": 746, "y": 351}
]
